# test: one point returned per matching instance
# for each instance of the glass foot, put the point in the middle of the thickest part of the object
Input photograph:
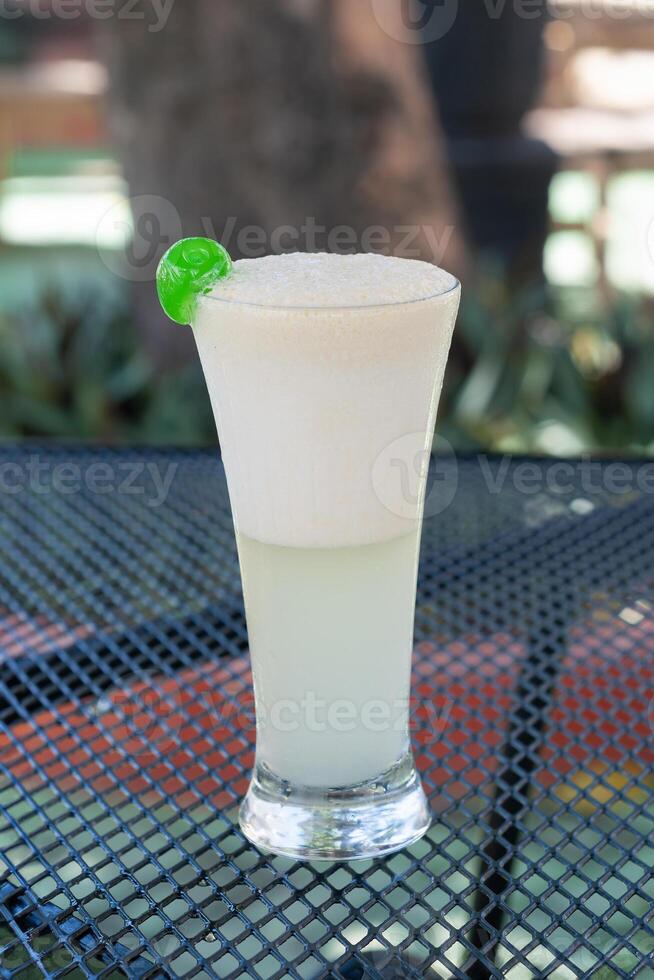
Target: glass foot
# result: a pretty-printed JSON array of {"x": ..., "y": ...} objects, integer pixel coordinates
[{"x": 362, "y": 821}]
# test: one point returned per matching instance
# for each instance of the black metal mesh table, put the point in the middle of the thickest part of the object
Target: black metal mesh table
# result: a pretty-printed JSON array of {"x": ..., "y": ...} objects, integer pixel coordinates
[{"x": 126, "y": 734}]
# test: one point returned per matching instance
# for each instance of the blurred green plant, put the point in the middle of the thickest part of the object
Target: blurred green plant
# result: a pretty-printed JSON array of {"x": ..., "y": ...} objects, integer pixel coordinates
[
  {"x": 528, "y": 374},
  {"x": 560, "y": 374},
  {"x": 70, "y": 368}
]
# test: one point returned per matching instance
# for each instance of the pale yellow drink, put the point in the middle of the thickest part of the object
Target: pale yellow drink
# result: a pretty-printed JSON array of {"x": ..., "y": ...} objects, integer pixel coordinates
[
  {"x": 331, "y": 631},
  {"x": 316, "y": 365}
]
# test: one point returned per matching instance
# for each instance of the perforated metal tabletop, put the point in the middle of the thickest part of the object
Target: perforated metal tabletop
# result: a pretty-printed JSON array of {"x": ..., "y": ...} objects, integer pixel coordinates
[{"x": 126, "y": 734}]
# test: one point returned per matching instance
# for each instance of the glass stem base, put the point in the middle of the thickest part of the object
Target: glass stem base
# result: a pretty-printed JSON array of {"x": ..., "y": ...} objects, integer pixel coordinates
[{"x": 361, "y": 821}]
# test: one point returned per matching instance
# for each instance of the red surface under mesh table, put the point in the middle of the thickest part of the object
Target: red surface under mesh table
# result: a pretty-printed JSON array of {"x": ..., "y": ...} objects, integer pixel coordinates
[{"x": 127, "y": 734}]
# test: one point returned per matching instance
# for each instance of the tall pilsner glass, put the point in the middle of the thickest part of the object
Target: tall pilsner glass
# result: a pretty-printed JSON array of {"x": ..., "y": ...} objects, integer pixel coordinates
[{"x": 324, "y": 374}]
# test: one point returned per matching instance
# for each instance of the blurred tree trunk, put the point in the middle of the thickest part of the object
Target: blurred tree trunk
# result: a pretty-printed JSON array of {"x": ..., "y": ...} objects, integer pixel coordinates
[{"x": 236, "y": 119}]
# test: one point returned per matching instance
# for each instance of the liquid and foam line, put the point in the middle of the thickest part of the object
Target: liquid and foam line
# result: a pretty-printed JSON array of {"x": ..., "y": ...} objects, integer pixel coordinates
[{"x": 315, "y": 365}]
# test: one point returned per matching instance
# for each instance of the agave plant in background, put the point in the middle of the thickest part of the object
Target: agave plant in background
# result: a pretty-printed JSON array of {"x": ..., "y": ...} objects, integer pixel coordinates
[
  {"x": 70, "y": 368},
  {"x": 551, "y": 373},
  {"x": 532, "y": 373}
]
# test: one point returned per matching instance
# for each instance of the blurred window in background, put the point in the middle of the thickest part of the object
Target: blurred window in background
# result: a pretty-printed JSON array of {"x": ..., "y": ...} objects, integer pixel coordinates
[
  {"x": 57, "y": 170},
  {"x": 597, "y": 112}
]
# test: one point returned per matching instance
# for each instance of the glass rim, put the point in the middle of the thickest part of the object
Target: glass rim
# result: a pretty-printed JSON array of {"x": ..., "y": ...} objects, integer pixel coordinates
[{"x": 304, "y": 307}]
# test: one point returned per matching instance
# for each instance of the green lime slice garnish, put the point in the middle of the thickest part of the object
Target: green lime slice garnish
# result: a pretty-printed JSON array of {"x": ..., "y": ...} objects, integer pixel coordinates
[{"x": 190, "y": 268}]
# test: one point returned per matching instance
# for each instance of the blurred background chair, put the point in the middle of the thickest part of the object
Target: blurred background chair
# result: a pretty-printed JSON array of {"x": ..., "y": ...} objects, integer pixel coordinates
[{"x": 485, "y": 75}]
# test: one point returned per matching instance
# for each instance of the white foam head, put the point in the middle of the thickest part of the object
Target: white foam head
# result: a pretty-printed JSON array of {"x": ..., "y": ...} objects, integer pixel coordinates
[
  {"x": 316, "y": 365},
  {"x": 321, "y": 280}
]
